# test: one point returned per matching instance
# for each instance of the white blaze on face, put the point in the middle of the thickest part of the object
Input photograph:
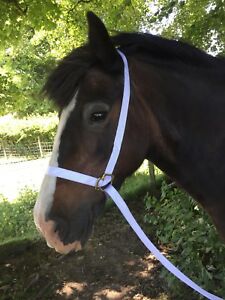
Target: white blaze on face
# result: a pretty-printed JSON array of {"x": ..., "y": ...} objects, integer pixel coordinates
[{"x": 45, "y": 197}]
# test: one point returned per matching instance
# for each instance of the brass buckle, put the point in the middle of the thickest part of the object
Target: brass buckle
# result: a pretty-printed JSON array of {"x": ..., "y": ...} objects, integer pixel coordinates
[{"x": 101, "y": 188}]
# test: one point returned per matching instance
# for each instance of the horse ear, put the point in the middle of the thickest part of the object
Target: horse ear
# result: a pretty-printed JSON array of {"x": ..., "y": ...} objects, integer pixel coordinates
[{"x": 100, "y": 42}]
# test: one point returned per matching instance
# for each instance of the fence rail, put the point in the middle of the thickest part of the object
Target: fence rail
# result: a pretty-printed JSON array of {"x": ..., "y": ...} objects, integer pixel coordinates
[{"x": 12, "y": 153}]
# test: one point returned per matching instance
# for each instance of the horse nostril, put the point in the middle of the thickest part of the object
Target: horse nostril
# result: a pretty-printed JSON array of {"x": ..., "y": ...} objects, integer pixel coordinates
[{"x": 61, "y": 227}]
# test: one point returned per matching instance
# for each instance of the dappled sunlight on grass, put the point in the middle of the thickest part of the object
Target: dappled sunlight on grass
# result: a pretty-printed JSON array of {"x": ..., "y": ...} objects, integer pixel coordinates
[
  {"x": 112, "y": 294},
  {"x": 109, "y": 285},
  {"x": 139, "y": 270},
  {"x": 69, "y": 287}
]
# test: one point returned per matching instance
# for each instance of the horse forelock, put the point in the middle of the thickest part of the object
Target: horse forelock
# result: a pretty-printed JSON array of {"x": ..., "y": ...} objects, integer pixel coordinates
[{"x": 65, "y": 78}]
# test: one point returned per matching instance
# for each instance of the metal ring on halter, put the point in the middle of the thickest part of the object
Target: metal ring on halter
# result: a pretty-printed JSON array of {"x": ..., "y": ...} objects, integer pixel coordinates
[{"x": 99, "y": 187}]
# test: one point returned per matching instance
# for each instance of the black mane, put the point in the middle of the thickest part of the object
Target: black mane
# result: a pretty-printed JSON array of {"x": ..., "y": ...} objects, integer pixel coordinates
[
  {"x": 156, "y": 47},
  {"x": 64, "y": 80}
]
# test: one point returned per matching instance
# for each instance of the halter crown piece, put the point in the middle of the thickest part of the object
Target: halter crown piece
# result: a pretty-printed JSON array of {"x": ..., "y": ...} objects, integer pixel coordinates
[{"x": 104, "y": 183}]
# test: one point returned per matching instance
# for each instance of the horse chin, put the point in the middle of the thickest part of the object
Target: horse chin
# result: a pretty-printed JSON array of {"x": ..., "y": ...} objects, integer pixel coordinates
[
  {"x": 47, "y": 229},
  {"x": 72, "y": 247},
  {"x": 67, "y": 235},
  {"x": 61, "y": 248}
]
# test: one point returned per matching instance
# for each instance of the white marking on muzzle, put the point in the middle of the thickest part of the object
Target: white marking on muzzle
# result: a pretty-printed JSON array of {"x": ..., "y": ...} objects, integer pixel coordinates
[{"x": 45, "y": 198}]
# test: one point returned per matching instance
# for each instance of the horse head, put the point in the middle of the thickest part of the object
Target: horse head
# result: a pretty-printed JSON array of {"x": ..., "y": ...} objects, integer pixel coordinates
[
  {"x": 176, "y": 92},
  {"x": 87, "y": 86}
]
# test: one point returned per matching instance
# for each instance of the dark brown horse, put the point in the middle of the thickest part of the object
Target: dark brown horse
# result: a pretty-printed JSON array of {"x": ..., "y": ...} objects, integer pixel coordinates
[{"x": 176, "y": 119}]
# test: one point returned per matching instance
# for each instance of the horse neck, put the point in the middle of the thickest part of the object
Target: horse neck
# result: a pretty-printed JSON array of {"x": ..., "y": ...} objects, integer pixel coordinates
[
  {"x": 181, "y": 121},
  {"x": 184, "y": 125}
]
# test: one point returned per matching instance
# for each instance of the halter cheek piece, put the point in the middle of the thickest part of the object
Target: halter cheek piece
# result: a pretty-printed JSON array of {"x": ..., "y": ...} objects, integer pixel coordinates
[{"x": 104, "y": 183}]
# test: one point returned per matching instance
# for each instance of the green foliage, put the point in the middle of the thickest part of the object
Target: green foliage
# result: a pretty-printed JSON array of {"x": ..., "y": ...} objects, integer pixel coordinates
[
  {"x": 191, "y": 239},
  {"x": 200, "y": 23},
  {"x": 37, "y": 33},
  {"x": 26, "y": 131},
  {"x": 17, "y": 17},
  {"x": 17, "y": 217},
  {"x": 135, "y": 186},
  {"x": 23, "y": 72},
  {"x": 64, "y": 20}
]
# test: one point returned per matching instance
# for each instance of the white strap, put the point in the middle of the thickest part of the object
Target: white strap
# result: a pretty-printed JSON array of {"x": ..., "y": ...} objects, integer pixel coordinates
[
  {"x": 122, "y": 119},
  {"x": 98, "y": 183}
]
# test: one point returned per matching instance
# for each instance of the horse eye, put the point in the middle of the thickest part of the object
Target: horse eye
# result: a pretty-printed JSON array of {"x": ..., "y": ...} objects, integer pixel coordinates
[
  {"x": 98, "y": 116},
  {"x": 95, "y": 114}
]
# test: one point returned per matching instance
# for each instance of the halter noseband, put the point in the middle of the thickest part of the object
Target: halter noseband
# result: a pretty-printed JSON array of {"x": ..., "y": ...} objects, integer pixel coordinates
[{"x": 104, "y": 183}]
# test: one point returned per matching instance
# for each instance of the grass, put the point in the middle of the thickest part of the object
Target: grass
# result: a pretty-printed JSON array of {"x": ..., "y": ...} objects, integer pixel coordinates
[{"x": 17, "y": 217}]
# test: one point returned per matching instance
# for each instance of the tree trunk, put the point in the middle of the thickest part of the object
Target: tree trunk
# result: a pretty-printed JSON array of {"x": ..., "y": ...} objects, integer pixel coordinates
[{"x": 152, "y": 179}]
